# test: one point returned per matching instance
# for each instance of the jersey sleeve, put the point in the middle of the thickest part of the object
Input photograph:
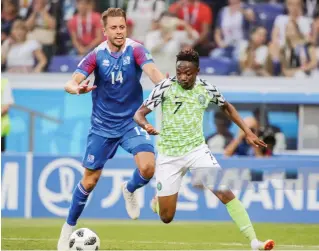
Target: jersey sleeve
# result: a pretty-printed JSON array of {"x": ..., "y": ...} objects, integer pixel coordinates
[
  {"x": 157, "y": 95},
  {"x": 216, "y": 96},
  {"x": 87, "y": 64},
  {"x": 142, "y": 56}
]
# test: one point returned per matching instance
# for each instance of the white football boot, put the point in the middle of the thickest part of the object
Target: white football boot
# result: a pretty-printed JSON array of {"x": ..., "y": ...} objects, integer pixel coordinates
[
  {"x": 259, "y": 245},
  {"x": 63, "y": 243},
  {"x": 131, "y": 202}
]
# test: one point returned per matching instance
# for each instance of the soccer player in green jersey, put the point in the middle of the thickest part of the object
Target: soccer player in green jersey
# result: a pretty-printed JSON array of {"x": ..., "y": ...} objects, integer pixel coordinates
[{"x": 181, "y": 145}]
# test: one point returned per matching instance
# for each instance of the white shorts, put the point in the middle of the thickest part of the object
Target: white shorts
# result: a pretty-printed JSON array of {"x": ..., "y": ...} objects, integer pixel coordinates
[{"x": 170, "y": 170}]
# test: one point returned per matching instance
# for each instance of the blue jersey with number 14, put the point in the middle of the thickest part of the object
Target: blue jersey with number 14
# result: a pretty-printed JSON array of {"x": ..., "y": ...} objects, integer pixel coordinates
[{"x": 119, "y": 92}]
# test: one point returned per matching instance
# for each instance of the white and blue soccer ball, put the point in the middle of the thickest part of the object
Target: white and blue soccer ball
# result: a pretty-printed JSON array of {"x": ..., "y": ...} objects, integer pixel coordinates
[{"x": 84, "y": 239}]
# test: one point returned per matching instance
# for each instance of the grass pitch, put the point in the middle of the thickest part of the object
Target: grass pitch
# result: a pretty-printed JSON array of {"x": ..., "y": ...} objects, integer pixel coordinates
[{"x": 42, "y": 234}]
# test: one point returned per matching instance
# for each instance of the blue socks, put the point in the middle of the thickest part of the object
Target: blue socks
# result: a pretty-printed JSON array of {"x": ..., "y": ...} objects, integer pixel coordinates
[
  {"x": 136, "y": 181},
  {"x": 80, "y": 196}
]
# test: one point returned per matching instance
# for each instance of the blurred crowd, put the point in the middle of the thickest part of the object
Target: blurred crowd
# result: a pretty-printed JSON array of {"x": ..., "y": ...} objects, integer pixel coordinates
[{"x": 263, "y": 38}]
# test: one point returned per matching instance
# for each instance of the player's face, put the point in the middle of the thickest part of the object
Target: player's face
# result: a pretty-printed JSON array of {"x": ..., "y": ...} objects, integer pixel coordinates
[
  {"x": 115, "y": 31},
  {"x": 186, "y": 73}
]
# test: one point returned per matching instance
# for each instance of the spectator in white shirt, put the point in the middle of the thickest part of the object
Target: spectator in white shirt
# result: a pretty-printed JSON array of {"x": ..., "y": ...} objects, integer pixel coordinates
[
  {"x": 295, "y": 12},
  {"x": 298, "y": 57},
  {"x": 233, "y": 23},
  {"x": 22, "y": 55},
  {"x": 168, "y": 40},
  {"x": 254, "y": 53},
  {"x": 143, "y": 13}
]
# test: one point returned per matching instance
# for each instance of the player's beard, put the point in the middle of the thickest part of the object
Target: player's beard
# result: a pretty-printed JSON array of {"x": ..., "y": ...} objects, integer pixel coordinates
[{"x": 119, "y": 46}]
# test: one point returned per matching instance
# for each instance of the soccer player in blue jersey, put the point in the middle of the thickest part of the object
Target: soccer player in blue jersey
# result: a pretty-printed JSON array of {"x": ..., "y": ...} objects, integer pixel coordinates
[{"x": 117, "y": 64}]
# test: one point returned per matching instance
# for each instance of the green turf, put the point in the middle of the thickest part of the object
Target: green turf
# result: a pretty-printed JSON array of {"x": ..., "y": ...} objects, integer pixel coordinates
[{"x": 42, "y": 234}]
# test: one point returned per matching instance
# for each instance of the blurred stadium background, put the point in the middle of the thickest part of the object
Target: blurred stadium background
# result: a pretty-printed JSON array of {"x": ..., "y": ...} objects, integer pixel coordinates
[{"x": 263, "y": 55}]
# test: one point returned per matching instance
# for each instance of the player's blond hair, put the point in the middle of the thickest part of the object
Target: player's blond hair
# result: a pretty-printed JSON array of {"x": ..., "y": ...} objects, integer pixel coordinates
[{"x": 112, "y": 12}]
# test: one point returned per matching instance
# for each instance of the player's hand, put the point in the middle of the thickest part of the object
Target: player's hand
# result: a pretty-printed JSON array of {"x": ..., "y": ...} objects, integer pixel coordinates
[
  {"x": 85, "y": 88},
  {"x": 253, "y": 140},
  {"x": 150, "y": 129}
]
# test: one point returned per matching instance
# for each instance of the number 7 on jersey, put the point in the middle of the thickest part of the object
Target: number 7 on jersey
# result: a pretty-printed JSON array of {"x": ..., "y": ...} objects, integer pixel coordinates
[{"x": 179, "y": 104}]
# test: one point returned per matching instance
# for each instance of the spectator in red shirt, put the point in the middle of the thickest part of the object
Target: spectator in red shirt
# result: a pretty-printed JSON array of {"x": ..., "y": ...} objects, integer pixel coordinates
[
  {"x": 198, "y": 15},
  {"x": 85, "y": 27}
]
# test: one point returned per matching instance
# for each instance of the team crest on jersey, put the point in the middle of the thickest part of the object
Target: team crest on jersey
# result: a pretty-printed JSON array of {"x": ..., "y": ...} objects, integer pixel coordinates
[
  {"x": 106, "y": 62},
  {"x": 159, "y": 186},
  {"x": 201, "y": 99},
  {"x": 90, "y": 158},
  {"x": 126, "y": 60}
]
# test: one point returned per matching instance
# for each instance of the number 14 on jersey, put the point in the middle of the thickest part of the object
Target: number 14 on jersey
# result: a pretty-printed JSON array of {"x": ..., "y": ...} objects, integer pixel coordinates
[{"x": 118, "y": 78}]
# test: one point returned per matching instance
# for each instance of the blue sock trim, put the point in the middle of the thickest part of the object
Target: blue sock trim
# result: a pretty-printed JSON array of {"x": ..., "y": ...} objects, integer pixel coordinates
[
  {"x": 137, "y": 181},
  {"x": 79, "y": 198}
]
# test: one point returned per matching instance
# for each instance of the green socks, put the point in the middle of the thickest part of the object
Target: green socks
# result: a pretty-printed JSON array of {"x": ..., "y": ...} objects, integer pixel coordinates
[{"x": 239, "y": 215}]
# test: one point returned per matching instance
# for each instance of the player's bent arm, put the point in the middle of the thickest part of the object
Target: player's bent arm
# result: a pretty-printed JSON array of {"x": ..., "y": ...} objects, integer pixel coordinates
[
  {"x": 140, "y": 116},
  {"x": 234, "y": 116},
  {"x": 140, "y": 119},
  {"x": 153, "y": 73},
  {"x": 72, "y": 85}
]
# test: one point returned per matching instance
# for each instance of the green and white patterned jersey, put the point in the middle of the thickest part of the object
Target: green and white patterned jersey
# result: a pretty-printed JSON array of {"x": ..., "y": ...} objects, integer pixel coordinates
[{"x": 182, "y": 114}]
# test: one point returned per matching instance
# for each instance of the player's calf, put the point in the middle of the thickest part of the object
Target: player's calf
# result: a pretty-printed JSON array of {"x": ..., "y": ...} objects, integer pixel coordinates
[
  {"x": 166, "y": 215},
  {"x": 167, "y": 207},
  {"x": 90, "y": 178}
]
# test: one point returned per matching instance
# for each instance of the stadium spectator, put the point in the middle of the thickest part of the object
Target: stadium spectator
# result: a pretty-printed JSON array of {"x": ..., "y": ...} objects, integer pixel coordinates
[
  {"x": 85, "y": 27},
  {"x": 315, "y": 33},
  {"x": 8, "y": 15},
  {"x": 199, "y": 15},
  {"x": 254, "y": 53},
  {"x": 42, "y": 25},
  {"x": 143, "y": 13},
  {"x": 102, "y": 5},
  {"x": 295, "y": 12},
  {"x": 168, "y": 40},
  {"x": 298, "y": 57},
  {"x": 24, "y": 6},
  {"x": 240, "y": 147},
  {"x": 222, "y": 137},
  {"x": 311, "y": 6},
  {"x": 22, "y": 55},
  {"x": 68, "y": 9},
  {"x": 270, "y": 134},
  {"x": 6, "y": 102},
  {"x": 233, "y": 23}
]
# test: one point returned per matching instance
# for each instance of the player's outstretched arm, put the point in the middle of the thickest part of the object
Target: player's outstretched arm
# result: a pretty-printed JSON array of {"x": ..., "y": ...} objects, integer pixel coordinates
[
  {"x": 233, "y": 114},
  {"x": 153, "y": 73},
  {"x": 140, "y": 119},
  {"x": 74, "y": 86}
]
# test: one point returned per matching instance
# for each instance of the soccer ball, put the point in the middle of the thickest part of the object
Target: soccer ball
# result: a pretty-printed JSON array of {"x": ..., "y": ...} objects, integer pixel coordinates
[{"x": 84, "y": 239}]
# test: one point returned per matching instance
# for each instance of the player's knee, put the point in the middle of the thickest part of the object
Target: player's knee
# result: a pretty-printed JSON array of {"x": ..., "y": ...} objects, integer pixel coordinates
[{"x": 147, "y": 170}]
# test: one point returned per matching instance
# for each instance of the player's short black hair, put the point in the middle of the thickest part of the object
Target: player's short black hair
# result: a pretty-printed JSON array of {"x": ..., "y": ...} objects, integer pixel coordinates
[{"x": 189, "y": 55}]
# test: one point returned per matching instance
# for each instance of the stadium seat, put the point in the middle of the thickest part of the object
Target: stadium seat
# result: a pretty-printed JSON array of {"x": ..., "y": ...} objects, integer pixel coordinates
[
  {"x": 63, "y": 63},
  {"x": 266, "y": 14},
  {"x": 218, "y": 66}
]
